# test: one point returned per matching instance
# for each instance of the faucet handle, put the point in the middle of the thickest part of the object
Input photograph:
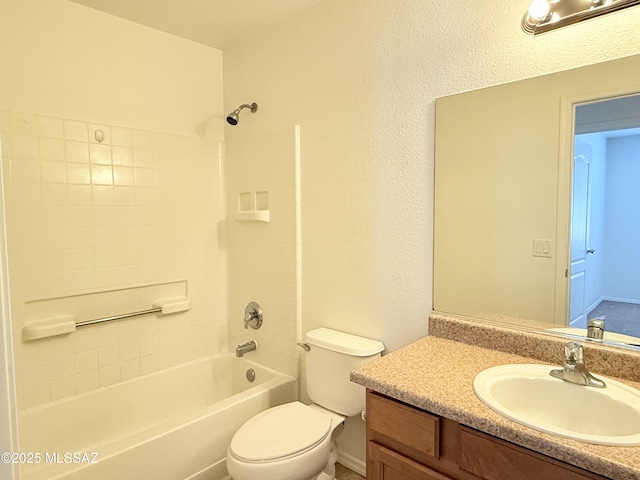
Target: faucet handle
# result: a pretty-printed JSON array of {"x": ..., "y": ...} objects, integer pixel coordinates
[
  {"x": 573, "y": 352},
  {"x": 253, "y": 316}
]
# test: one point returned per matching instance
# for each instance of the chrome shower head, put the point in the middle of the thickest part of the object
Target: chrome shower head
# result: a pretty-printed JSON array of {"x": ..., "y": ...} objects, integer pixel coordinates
[{"x": 232, "y": 118}]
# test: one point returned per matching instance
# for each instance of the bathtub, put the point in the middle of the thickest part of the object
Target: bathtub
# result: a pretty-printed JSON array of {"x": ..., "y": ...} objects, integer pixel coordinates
[{"x": 172, "y": 425}]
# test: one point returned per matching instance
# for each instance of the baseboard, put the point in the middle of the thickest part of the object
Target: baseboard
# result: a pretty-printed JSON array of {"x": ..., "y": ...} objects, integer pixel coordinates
[
  {"x": 622, "y": 300},
  {"x": 592, "y": 307},
  {"x": 352, "y": 463}
]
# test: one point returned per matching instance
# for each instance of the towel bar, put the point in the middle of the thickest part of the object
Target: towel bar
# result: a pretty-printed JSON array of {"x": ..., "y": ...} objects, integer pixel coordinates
[
  {"x": 119, "y": 317},
  {"x": 65, "y": 324}
]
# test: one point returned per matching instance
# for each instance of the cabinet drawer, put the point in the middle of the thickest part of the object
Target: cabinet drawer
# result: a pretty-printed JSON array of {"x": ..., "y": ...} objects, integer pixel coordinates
[
  {"x": 493, "y": 459},
  {"x": 390, "y": 465},
  {"x": 412, "y": 427}
]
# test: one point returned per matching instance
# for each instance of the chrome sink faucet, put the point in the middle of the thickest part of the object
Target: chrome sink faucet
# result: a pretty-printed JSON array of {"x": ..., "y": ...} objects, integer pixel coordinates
[
  {"x": 573, "y": 368},
  {"x": 595, "y": 328},
  {"x": 250, "y": 346}
]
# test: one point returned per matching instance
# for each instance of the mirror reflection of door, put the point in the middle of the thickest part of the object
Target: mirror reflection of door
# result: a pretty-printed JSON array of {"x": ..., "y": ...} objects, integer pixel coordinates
[
  {"x": 605, "y": 225},
  {"x": 580, "y": 220}
]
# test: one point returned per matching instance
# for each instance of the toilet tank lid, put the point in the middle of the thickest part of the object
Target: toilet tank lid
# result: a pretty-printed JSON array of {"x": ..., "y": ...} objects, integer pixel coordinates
[{"x": 342, "y": 342}]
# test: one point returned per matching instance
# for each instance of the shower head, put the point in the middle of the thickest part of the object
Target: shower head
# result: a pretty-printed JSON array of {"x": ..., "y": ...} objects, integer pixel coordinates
[{"x": 232, "y": 118}]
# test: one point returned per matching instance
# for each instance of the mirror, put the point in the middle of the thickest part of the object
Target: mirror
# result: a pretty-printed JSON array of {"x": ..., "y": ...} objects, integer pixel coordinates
[{"x": 503, "y": 194}]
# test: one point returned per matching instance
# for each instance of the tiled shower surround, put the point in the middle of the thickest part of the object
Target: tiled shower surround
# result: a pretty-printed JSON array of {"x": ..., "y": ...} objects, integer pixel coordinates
[
  {"x": 86, "y": 216},
  {"x": 265, "y": 258}
]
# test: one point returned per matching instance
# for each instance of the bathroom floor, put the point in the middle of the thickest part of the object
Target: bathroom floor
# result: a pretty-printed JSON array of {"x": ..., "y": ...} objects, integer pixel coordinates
[{"x": 343, "y": 473}]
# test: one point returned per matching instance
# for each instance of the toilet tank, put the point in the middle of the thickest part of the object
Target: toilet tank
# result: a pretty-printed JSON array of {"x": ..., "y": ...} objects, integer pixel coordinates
[{"x": 329, "y": 362}]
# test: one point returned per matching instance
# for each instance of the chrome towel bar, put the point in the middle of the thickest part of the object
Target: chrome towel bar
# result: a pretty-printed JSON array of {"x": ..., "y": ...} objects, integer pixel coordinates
[
  {"x": 66, "y": 323},
  {"x": 119, "y": 317}
]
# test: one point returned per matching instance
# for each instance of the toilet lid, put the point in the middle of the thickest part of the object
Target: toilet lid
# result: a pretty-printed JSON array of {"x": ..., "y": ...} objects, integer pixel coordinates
[{"x": 279, "y": 432}]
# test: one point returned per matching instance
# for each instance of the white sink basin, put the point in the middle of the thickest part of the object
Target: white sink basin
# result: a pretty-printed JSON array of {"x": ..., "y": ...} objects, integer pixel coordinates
[{"x": 528, "y": 395}]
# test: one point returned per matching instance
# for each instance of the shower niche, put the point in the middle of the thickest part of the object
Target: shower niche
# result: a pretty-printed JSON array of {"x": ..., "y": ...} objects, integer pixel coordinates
[{"x": 253, "y": 207}]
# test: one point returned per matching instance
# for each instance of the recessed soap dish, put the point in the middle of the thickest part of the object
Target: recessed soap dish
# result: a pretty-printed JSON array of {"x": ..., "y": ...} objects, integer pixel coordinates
[{"x": 253, "y": 207}]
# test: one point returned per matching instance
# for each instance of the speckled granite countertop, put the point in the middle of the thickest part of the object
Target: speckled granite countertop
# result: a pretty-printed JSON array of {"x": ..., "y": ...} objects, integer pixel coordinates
[{"x": 436, "y": 374}]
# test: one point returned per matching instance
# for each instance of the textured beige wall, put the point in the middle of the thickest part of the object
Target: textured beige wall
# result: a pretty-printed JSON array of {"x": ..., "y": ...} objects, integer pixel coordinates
[
  {"x": 66, "y": 60},
  {"x": 361, "y": 77}
]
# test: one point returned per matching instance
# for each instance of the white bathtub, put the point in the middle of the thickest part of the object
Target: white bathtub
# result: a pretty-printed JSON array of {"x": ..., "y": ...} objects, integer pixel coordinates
[{"x": 172, "y": 425}]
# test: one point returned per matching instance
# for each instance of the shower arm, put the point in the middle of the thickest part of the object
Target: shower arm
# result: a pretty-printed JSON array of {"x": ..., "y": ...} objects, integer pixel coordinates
[{"x": 253, "y": 107}]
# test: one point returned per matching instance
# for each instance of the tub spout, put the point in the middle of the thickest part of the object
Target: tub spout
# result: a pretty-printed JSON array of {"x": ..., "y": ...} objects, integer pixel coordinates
[{"x": 246, "y": 347}]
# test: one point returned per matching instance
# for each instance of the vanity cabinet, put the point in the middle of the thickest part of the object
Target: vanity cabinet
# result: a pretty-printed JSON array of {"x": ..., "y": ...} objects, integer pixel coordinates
[{"x": 406, "y": 443}]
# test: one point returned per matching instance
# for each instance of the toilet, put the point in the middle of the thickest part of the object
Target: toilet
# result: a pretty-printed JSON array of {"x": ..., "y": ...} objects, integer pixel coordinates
[{"x": 295, "y": 441}]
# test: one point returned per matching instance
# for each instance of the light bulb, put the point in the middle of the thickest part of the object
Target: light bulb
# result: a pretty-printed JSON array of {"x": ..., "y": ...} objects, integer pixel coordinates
[{"x": 539, "y": 10}]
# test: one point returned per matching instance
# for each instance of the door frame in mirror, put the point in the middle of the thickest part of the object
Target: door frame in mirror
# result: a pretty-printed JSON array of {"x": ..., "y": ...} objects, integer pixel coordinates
[{"x": 568, "y": 107}]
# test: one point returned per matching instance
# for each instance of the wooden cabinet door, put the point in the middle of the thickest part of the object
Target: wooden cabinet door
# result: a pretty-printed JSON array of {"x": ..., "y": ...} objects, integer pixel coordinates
[
  {"x": 490, "y": 458},
  {"x": 409, "y": 426},
  {"x": 385, "y": 464}
]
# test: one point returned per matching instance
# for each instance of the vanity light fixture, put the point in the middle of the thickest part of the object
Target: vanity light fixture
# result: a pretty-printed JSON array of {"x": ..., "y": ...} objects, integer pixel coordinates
[{"x": 545, "y": 15}]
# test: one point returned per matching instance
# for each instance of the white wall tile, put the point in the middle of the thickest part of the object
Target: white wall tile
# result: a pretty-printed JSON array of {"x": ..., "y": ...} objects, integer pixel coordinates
[
  {"x": 78, "y": 173},
  {"x": 81, "y": 237},
  {"x": 109, "y": 356},
  {"x": 26, "y": 194},
  {"x": 106, "y": 277},
  {"x": 130, "y": 369},
  {"x": 77, "y": 152},
  {"x": 63, "y": 388},
  {"x": 100, "y": 154},
  {"x": 142, "y": 158},
  {"x": 79, "y": 195},
  {"x": 23, "y": 123},
  {"x": 130, "y": 351},
  {"x": 62, "y": 367},
  {"x": 81, "y": 215},
  {"x": 25, "y": 171},
  {"x": 104, "y": 215},
  {"x": 124, "y": 195},
  {"x": 54, "y": 194},
  {"x": 86, "y": 361},
  {"x": 88, "y": 216},
  {"x": 121, "y": 136},
  {"x": 108, "y": 334},
  {"x": 53, "y": 172},
  {"x": 50, "y": 127},
  {"x": 143, "y": 177},
  {"x": 51, "y": 149},
  {"x": 87, "y": 381},
  {"x": 101, "y": 175},
  {"x": 76, "y": 131},
  {"x": 123, "y": 176},
  {"x": 122, "y": 156},
  {"x": 109, "y": 375},
  {"x": 35, "y": 395}
]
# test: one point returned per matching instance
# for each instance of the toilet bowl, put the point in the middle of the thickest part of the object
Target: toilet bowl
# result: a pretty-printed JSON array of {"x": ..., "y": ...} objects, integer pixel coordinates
[
  {"x": 291, "y": 441},
  {"x": 295, "y": 441}
]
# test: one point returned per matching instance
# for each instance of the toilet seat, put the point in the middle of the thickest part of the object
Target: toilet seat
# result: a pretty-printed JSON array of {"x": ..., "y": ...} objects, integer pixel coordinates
[{"x": 280, "y": 432}]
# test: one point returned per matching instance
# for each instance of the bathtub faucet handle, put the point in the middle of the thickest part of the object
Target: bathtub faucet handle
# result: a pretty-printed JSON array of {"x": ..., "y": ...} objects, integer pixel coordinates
[{"x": 253, "y": 316}]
